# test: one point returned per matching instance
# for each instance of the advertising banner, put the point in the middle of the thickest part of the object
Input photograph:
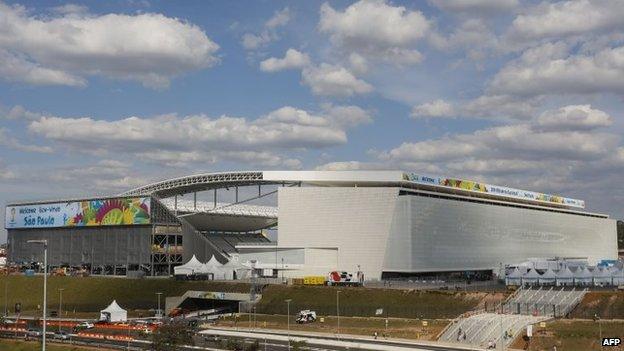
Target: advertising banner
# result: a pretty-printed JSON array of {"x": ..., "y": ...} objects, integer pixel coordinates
[
  {"x": 473, "y": 186},
  {"x": 121, "y": 211}
]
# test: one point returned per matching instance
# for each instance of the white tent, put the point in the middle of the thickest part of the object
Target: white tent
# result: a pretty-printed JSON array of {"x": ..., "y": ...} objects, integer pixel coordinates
[
  {"x": 565, "y": 277},
  {"x": 618, "y": 276},
  {"x": 193, "y": 266},
  {"x": 548, "y": 278},
  {"x": 602, "y": 276},
  {"x": 234, "y": 270},
  {"x": 113, "y": 313},
  {"x": 214, "y": 267},
  {"x": 531, "y": 277},
  {"x": 582, "y": 276},
  {"x": 514, "y": 278}
]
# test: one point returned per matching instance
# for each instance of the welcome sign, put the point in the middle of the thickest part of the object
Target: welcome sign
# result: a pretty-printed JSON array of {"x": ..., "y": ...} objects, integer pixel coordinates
[{"x": 99, "y": 212}]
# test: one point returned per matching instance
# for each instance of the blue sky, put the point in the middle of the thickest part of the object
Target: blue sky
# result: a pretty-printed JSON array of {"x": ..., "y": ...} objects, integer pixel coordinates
[{"x": 98, "y": 97}]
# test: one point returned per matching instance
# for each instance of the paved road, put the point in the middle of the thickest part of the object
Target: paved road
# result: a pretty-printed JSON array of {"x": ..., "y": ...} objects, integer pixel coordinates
[{"x": 318, "y": 341}]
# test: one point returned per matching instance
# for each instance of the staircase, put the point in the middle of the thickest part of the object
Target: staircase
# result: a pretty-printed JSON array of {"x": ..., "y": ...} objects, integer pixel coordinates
[{"x": 522, "y": 308}]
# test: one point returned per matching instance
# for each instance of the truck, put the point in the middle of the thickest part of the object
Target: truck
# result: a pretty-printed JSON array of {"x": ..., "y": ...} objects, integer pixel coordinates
[{"x": 344, "y": 279}]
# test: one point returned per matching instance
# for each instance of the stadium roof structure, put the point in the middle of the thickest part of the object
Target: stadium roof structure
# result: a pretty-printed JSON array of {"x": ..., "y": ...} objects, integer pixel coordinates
[
  {"x": 220, "y": 216},
  {"x": 461, "y": 187}
]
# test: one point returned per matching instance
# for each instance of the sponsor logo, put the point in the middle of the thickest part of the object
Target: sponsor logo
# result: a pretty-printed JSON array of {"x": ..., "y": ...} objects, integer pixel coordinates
[{"x": 611, "y": 341}]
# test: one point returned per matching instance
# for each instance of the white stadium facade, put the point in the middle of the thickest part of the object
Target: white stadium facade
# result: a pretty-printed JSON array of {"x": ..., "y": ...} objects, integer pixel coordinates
[{"x": 384, "y": 223}]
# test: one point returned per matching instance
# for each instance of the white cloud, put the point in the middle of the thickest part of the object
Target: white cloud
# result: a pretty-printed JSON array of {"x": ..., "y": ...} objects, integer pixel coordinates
[
  {"x": 475, "y": 6},
  {"x": 566, "y": 18},
  {"x": 199, "y": 138},
  {"x": 332, "y": 80},
  {"x": 253, "y": 41},
  {"x": 548, "y": 70},
  {"x": 280, "y": 18},
  {"x": 500, "y": 107},
  {"x": 376, "y": 29},
  {"x": 292, "y": 59},
  {"x": 5, "y": 173},
  {"x": 18, "y": 112},
  {"x": 569, "y": 138},
  {"x": 7, "y": 140},
  {"x": 67, "y": 9},
  {"x": 17, "y": 68},
  {"x": 573, "y": 117},
  {"x": 436, "y": 108},
  {"x": 63, "y": 49}
]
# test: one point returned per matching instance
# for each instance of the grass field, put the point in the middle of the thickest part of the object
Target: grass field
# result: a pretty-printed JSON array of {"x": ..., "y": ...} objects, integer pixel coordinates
[
  {"x": 573, "y": 335},
  {"x": 94, "y": 293},
  {"x": 15, "y": 345},
  {"x": 364, "y": 302},
  {"x": 606, "y": 304},
  {"x": 88, "y": 295},
  {"x": 397, "y": 327}
]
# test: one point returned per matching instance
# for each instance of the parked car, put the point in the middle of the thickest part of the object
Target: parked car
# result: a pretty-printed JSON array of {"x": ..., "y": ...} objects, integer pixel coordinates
[
  {"x": 33, "y": 333},
  {"x": 61, "y": 335},
  {"x": 86, "y": 325}
]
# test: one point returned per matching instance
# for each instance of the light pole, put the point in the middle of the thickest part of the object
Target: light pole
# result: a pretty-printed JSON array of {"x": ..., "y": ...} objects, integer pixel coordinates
[
  {"x": 158, "y": 312},
  {"x": 288, "y": 319},
  {"x": 338, "y": 309},
  {"x": 45, "y": 286},
  {"x": 60, "y": 313},
  {"x": 6, "y": 298}
]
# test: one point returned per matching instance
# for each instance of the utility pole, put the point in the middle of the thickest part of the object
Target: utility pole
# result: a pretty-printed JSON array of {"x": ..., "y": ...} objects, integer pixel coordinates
[
  {"x": 45, "y": 286},
  {"x": 60, "y": 313},
  {"x": 159, "y": 313},
  {"x": 288, "y": 320},
  {"x": 338, "y": 309}
]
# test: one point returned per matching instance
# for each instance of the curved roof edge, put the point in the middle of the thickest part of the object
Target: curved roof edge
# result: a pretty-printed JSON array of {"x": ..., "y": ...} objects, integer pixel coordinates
[{"x": 207, "y": 181}]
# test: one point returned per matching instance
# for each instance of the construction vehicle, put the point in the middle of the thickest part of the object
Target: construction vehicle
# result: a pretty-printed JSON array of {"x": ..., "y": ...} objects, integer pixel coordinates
[
  {"x": 344, "y": 279},
  {"x": 306, "y": 316}
]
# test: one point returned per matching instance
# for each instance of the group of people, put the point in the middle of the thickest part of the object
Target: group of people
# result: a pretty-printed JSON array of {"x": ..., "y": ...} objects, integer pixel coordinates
[{"x": 461, "y": 335}]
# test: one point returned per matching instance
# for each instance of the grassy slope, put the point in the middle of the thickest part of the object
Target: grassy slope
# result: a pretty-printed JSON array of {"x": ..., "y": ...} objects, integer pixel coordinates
[
  {"x": 364, "y": 302},
  {"x": 606, "y": 304},
  {"x": 397, "y": 327},
  {"x": 94, "y": 293},
  {"x": 570, "y": 335},
  {"x": 15, "y": 345}
]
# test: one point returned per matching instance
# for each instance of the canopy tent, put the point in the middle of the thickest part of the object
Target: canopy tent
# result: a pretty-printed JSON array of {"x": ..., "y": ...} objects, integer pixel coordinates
[
  {"x": 565, "y": 277},
  {"x": 618, "y": 276},
  {"x": 531, "y": 277},
  {"x": 549, "y": 277},
  {"x": 113, "y": 313},
  {"x": 582, "y": 276},
  {"x": 193, "y": 266},
  {"x": 235, "y": 270},
  {"x": 214, "y": 267},
  {"x": 514, "y": 278},
  {"x": 602, "y": 276}
]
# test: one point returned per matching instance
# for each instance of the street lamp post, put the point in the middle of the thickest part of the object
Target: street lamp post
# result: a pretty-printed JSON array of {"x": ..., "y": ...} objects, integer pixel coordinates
[
  {"x": 45, "y": 286},
  {"x": 60, "y": 313},
  {"x": 338, "y": 309},
  {"x": 288, "y": 319},
  {"x": 158, "y": 311}
]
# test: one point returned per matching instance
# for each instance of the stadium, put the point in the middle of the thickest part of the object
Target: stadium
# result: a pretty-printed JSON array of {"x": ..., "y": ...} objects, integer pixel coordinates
[{"x": 386, "y": 224}]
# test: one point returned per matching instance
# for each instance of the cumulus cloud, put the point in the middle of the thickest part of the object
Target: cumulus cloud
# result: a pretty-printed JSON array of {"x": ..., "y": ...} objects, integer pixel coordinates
[
  {"x": 333, "y": 80},
  {"x": 292, "y": 59},
  {"x": 253, "y": 41},
  {"x": 190, "y": 139},
  {"x": 65, "y": 48},
  {"x": 557, "y": 142},
  {"x": 573, "y": 117},
  {"x": 548, "y": 69},
  {"x": 436, "y": 108},
  {"x": 476, "y": 6},
  {"x": 13, "y": 143},
  {"x": 391, "y": 39},
  {"x": 567, "y": 18}
]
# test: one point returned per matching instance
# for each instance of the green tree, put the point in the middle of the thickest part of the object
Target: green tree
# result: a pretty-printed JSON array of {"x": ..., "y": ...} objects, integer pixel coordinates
[{"x": 171, "y": 336}]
